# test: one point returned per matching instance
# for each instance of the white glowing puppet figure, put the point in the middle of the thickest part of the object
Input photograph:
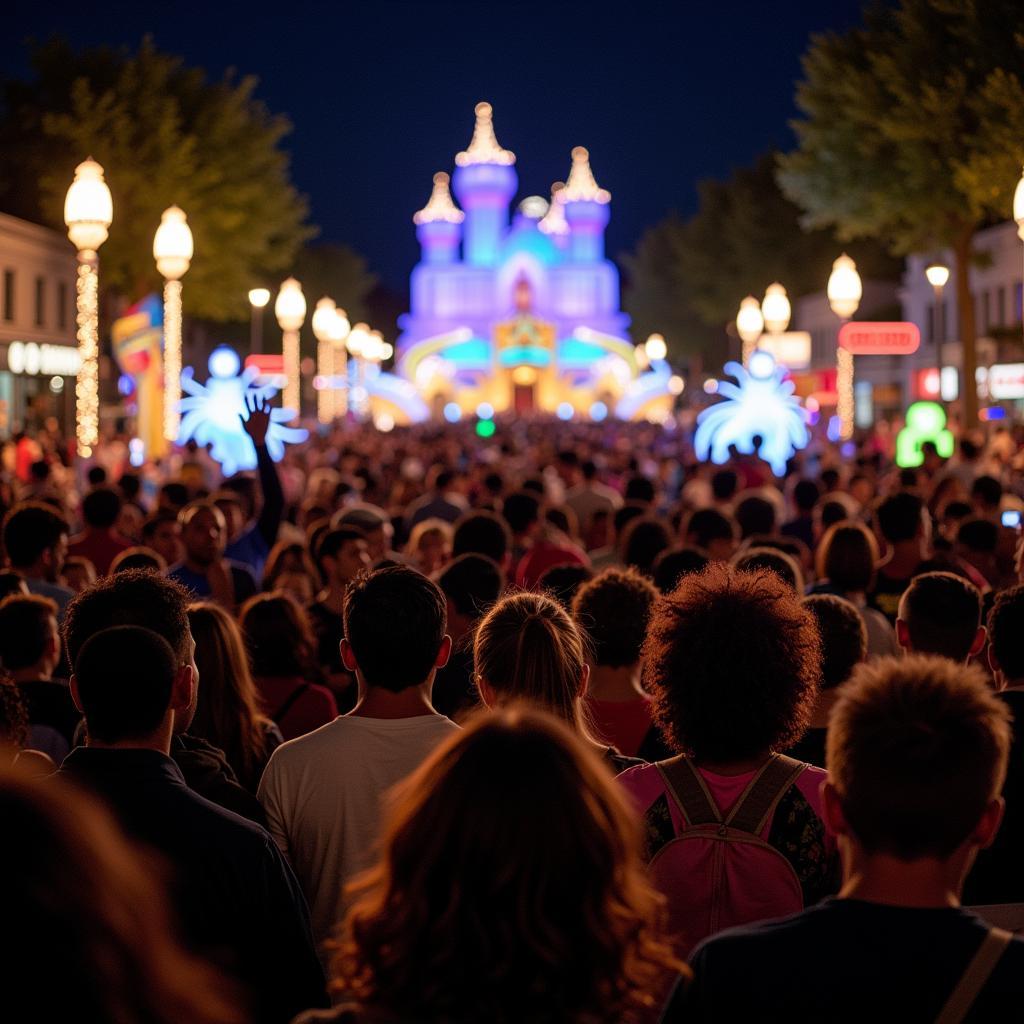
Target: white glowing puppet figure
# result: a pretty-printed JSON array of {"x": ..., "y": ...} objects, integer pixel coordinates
[
  {"x": 213, "y": 413},
  {"x": 760, "y": 404}
]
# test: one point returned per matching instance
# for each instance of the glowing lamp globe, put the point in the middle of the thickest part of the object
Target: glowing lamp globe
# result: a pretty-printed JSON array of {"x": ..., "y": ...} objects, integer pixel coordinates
[
  {"x": 324, "y": 318},
  {"x": 340, "y": 327},
  {"x": 565, "y": 411},
  {"x": 775, "y": 309},
  {"x": 762, "y": 365},
  {"x": 485, "y": 411},
  {"x": 1018, "y": 206},
  {"x": 655, "y": 348},
  {"x": 598, "y": 412},
  {"x": 453, "y": 412},
  {"x": 290, "y": 305},
  {"x": 844, "y": 288},
  {"x": 676, "y": 385},
  {"x": 358, "y": 338},
  {"x": 643, "y": 360},
  {"x": 88, "y": 208},
  {"x": 387, "y": 350},
  {"x": 259, "y": 297},
  {"x": 172, "y": 244},
  {"x": 749, "y": 320},
  {"x": 937, "y": 274}
]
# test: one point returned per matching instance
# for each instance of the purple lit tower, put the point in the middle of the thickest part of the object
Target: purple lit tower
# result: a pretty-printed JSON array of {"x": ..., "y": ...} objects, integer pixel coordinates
[{"x": 519, "y": 316}]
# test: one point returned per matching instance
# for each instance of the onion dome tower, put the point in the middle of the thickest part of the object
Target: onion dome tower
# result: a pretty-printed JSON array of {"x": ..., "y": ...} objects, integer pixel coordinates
[
  {"x": 439, "y": 224},
  {"x": 586, "y": 209}
]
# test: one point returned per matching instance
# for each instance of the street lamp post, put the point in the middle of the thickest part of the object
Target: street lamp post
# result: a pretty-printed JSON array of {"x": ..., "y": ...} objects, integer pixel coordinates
[
  {"x": 88, "y": 213},
  {"x": 938, "y": 275},
  {"x": 258, "y": 298},
  {"x": 290, "y": 310},
  {"x": 325, "y": 323},
  {"x": 844, "y": 294},
  {"x": 749, "y": 326},
  {"x": 359, "y": 343},
  {"x": 1018, "y": 207},
  {"x": 337, "y": 333},
  {"x": 172, "y": 250}
]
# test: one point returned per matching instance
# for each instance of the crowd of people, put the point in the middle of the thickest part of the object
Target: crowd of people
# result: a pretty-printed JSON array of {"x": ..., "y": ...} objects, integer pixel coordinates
[{"x": 555, "y": 726}]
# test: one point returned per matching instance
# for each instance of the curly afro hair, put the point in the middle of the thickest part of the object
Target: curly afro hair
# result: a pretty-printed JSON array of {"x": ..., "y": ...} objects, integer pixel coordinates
[{"x": 733, "y": 662}]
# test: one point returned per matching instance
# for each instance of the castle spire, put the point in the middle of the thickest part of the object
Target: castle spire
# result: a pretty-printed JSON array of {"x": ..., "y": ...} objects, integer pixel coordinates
[
  {"x": 581, "y": 186},
  {"x": 440, "y": 206},
  {"x": 554, "y": 222},
  {"x": 484, "y": 147}
]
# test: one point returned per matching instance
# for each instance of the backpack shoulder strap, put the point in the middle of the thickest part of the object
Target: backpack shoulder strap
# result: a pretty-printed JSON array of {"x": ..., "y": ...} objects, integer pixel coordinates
[
  {"x": 687, "y": 789},
  {"x": 973, "y": 980},
  {"x": 290, "y": 702},
  {"x": 752, "y": 810}
]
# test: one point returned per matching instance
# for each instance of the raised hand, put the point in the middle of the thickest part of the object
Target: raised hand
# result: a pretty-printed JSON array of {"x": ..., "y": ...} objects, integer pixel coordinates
[{"x": 257, "y": 422}]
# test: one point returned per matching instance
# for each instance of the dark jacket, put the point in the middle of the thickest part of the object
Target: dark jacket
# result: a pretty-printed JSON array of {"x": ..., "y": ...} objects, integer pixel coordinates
[{"x": 237, "y": 899}]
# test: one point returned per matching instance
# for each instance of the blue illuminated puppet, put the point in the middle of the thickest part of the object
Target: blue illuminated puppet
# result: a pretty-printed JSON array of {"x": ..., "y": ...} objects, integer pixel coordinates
[
  {"x": 759, "y": 405},
  {"x": 213, "y": 413}
]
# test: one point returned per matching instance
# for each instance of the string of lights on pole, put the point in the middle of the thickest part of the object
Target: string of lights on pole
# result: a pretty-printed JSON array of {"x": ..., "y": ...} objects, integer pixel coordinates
[
  {"x": 844, "y": 291},
  {"x": 88, "y": 214},
  {"x": 290, "y": 310}
]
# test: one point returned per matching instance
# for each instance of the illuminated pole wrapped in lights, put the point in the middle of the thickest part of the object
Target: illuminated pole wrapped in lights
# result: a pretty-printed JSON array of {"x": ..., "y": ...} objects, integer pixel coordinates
[
  {"x": 325, "y": 325},
  {"x": 88, "y": 213},
  {"x": 844, "y": 294},
  {"x": 172, "y": 250},
  {"x": 359, "y": 343},
  {"x": 749, "y": 326},
  {"x": 290, "y": 310},
  {"x": 336, "y": 335}
]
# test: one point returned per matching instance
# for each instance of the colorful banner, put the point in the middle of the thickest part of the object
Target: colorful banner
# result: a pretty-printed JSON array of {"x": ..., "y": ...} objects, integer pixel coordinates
[{"x": 137, "y": 341}]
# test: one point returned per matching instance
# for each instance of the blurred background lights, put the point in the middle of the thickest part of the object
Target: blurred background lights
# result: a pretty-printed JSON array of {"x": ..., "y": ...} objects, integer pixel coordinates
[
  {"x": 565, "y": 411},
  {"x": 452, "y": 412},
  {"x": 224, "y": 362},
  {"x": 486, "y": 412},
  {"x": 598, "y": 411},
  {"x": 676, "y": 384},
  {"x": 384, "y": 422},
  {"x": 485, "y": 428}
]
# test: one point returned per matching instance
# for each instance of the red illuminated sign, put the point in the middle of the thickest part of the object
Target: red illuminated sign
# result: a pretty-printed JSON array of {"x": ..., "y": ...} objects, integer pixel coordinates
[
  {"x": 268, "y": 365},
  {"x": 880, "y": 339}
]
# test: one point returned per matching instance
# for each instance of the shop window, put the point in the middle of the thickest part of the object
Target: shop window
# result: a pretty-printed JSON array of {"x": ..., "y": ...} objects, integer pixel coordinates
[
  {"x": 40, "y": 299},
  {"x": 9, "y": 295}
]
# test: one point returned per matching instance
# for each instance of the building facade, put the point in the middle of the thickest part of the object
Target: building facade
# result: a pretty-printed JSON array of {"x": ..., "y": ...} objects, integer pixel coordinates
[{"x": 38, "y": 349}]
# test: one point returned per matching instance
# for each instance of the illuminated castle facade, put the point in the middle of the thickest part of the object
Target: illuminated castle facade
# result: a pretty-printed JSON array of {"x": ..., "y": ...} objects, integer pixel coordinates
[{"x": 517, "y": 313}]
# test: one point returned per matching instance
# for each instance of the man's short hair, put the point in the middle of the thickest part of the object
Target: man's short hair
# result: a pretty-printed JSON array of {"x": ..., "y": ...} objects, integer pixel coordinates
[
  {"x": 395, "y": 619},
  {"x": 175, "y": 493},
  {"x": 521, "y": 510},
  {"x": 330, "y": 543},
  {"x": 806, "y": 494},
  {"x": 978, "y": 535},
  {"x": 562, "y": 582},
  {"x": 193, "y": 508},
  {"x": 472, "y": 583},
  {"x": 988, "y": 490},
  {"x": 844, "y": 638},
  {"x": 724, "y": 484},
  {"x": 784, "y": 566},
  {"x": 1006, "y": 631},
  {"x": 24, "y": 629},
  {"x": 124, "y": 677},
  {"x": 155, "y": 520},
  {"x": 101, "y": 507},
  {"x": 755, "y": 515},
  {"x": 482, "y": 533},
  {"x": 97, "y": 476},
  {"x": 916, "y": 750},
  {"x": 30, "y": 529},
  {"x": 613, "y": 610},
  {"x": 671, "y": 566},
  {"x": 707, "y": 525},
  {"x": 733, "y": 662},
  {"x": 899, "y": 517},
  {"x": 942, "y": 613},
  {"x": 639, "y": 488},
  {"x": 135, "y": 597}
]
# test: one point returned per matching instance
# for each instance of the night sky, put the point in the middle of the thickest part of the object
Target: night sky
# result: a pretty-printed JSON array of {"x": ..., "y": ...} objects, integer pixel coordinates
[{"x": 381, "y": 93}]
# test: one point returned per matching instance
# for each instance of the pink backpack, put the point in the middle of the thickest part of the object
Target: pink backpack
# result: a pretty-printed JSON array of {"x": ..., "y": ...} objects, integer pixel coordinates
[{"x": 718, "y": 872}]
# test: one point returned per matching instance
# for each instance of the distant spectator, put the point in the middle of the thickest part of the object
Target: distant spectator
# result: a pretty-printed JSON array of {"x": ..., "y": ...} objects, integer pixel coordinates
[
  {"x": 36, "y": 541},
  {"x": 138, "y": 558},
  {"x": 563, "y": 582},
  {"x": 904, "y": 523},
  {"x": 724, "y": 485},
  {"x": 770, "y": 560},
  {"x": 713, "y": 532},
  {"x": 672, "y": 565},
  {"x": 805, "y": 496},
  {"x": 162, "y": 532},
  {"x": 755, "y": 515},
  {"x": 639, "y": 490},
  {"x": 644, "y": 539},
  {"x": 940, "y": 613},
  {"x": 590, "y": 496},
  {"x": 205, "y": 570},
  {"x": 11, "y": 583},
  {"x": 444, "y": 499},
  {"x": 430, "y": 545},
  {"x": 78, "y": 573},
  {"x": 482, "y": 533},
  {"x": 99, "y": 542}
]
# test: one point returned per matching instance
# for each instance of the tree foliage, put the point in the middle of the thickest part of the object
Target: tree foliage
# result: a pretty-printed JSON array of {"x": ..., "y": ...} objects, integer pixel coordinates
[
  {"x": 164, "y": 134},
  {"x": 912, "y": 131}
]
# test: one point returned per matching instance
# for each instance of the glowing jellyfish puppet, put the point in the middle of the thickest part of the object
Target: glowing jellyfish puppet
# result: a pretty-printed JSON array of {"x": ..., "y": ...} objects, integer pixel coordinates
[
  {"x": 759, "y": 404},
  {"x": 212, "y": 413}
]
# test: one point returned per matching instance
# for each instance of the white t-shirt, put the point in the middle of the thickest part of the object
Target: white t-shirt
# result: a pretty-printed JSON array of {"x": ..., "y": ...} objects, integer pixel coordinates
[{"x": 322, "y": 794}]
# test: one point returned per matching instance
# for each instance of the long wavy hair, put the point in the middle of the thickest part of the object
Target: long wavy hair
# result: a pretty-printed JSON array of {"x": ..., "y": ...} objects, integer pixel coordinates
[
  {"x": 227, "y": 710},
  {"x": 95, "y": 940},
  {"x": 528, "y": 648},
  {"x": 509, "y": 888}
]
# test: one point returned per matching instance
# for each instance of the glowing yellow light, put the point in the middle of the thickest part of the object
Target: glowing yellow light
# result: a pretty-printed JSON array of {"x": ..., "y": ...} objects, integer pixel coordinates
[
  {"x": 775, "y": 308},
  {"x": 1018, "y": 206},
  {"x": 259, "y": 297},
  {"x": 290, "y": 310},
  {"x": 844, "y": 390},
  {"x": 357, "y": 339},
  {"x": 172, "y": 359},
  {"x": 844, "y": 287},
  {"x": 643, "y": 360},
  {"x": 581, "y": 186},
  {"x": 88, "y": 208},
  {"x": 749, "y": 324},
  {"x": 655, "y": 348},
  {"x": 524, "y": 376},
  {"x": 483, "y": 147},
  {"x": 324, "y": 322},
  {"x": 937, "y": 274},
  {"x": 440, "y": 206},
  {"x": 172, "y": 244},
  {"x": 87, "y": 386},
  {"x": 676, "y": 385},
  {"x": 554, "y": 222},
  {"x": 384, "y": 422}
]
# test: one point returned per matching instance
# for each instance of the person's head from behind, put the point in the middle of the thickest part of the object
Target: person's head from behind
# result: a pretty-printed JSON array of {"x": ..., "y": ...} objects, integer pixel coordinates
[
  {"x": 78, "y": 573},
  {"x": 645, "y": 538},
  {"x": 987, "y": 495},
  {"x": 79, "y": 889},
  {"x": 12, "y": 582},
  {"x": 902, "y": 519},
  {"x": 130, "y": 687},
  {"x": 372, "y": 522},
  {"x": 101, "y": 507},
  {"x": 395, "y": 622},
  {"x": 755, "y": 515},
  {"x": 758, "y": 559},
  {"x": 1006, "y": 636},
  {"x": 805, "y": 496},
  {"x": 430, "y": 544},
  {"x": 277, "y": 634},
  {"x": 172, "y": 496},
  {"x": 522, "y": 513},
  {"x": 563, "y": 582},
  {"x": 204, "y": 532},
  {"x": 36, "y": 540},
  {"x": 977, "y": 541},
  {"x": 527, "y": 648},
  {"x": 847, "y": 556},
  {"x": 138, "y": 558},
  {"x": 342, "y": 554},
  {"x": 162, "y": 532},
  {"x": 916, "y": 756},
  {"x": 671, "y": 566},
  {"x": 724, "y": 484},
  {"x": 640, "y": 489},
  {"x": 29, "y": 638},
  {"x": 714, "y": 532},
  {"x": 96, "y": 476},
  {"x": 733, "y": 662},
  {"x": 844, "y": 638},
  {"x": 543, "y": 862},
  {"x": 470, "y": 584},
  {"x": 613, "y": 610},
  {"x": 940, "y": 613},
  {"x": 482, "y": 533}
]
